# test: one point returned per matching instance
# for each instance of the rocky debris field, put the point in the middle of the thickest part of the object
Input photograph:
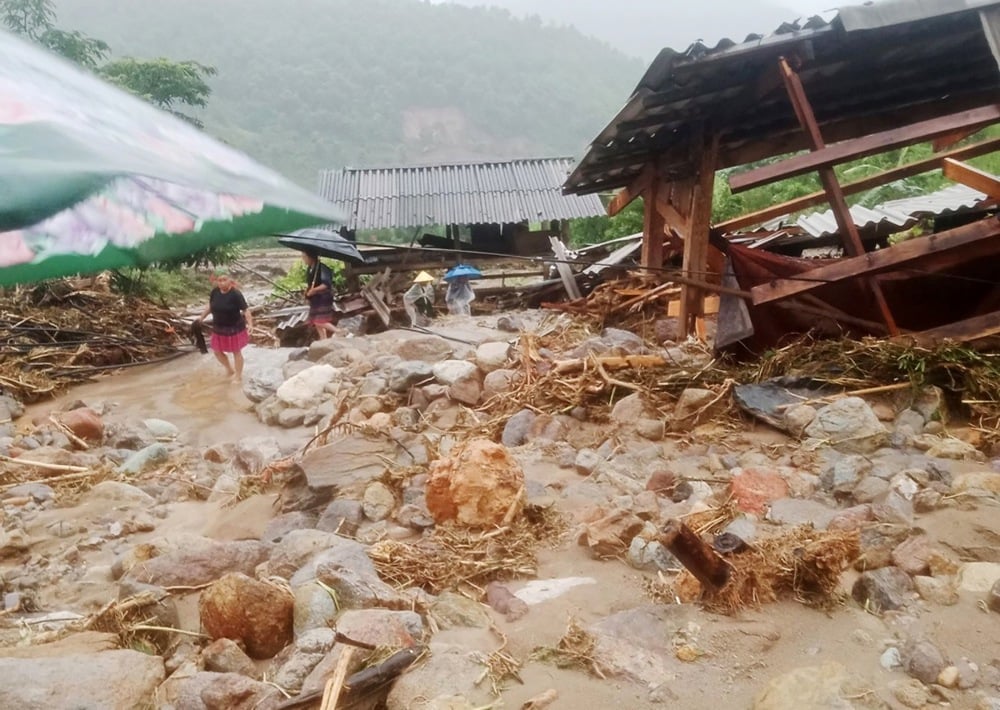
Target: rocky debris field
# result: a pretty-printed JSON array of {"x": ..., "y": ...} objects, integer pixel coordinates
[{"x": 421, "y": 526}]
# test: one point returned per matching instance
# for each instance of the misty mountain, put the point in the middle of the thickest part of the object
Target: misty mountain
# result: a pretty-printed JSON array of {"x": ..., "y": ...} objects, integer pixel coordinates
[
  {"x": 642, "y": 28},
  {"x": 304, "y": 85}
]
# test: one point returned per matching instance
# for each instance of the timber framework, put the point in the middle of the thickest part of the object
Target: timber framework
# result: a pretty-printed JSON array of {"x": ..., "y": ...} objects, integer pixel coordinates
[{"x": 803, "y": 100}]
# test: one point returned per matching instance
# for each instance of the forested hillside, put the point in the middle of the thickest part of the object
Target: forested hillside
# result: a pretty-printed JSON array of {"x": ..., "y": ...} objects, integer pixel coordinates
[{"x": 310, "y": 84}]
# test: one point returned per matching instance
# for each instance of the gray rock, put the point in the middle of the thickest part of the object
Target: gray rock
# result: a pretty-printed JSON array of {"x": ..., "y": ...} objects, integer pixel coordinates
[
  {"x": 909, "y": 422},
  {"x": 81, "y": 682},
  {"x": 280, "y": 526},
  {"x": 628, "y": 410},
  {"x": 849, "y": 425},
  {"x": 162, "y": 430},
  {"x": 211, "y": 691},
  {"x": 341, "y": 516},
  {"x": 891, "y": 507},
  {"x": 38, "y": 492},
  {"x": 373, "y": 386},
  {"x": 225, "y": 656},
  {"x": 885, "y": 589},
  {"x": 152, "y": 455},
  {"x": 10, "y": 408},
  {"x": 797, "y": 511},
  {"x": 492, "y": 356},
  {"x": 120, "y": 493},
  {"x": 163, "y": 613},
  {"x": 797, "y": 418},
  {"x": 692, "y": 406},
  {"x": 336, "y": 551},
  {"x": 315, "y": 608},
  {"x": 636, "y": 643},
  {"x": 307, "y": 389},
  {"x": 409, "y": 373},
  {"x": 290, "y": 418},
  {"x": 429, "y": 349},
  {"x": 449, "y": 372},
  {"x": 622, "y": 342},
  {"x": 379, "y": 501},
  {"x": 499, "y": 382},
  {"x": 200, "y": 562},
  {"x": 650, "y": 555},
  {"x": 448, "y": 671},
  {"x": 820, "y": 686},
  {"x": 844, "y": 474},
  {"x": 869, "y": 489},
  {"x": 518, "y": 428},
  {"x": 930, "y": 403},
  {"x": 587, "y": 461},
  {"x": 452, "y": 610},
  {"x": 652, "y": 429},
  {"x": 415, "y": 517},
  {"x": 743, "y": 527},
  {"x": 309, "y": 649},
  {"x": 923, "y": 661},
  {"x": 261, "y": 383},
  {"x": 357, "y": 588}
]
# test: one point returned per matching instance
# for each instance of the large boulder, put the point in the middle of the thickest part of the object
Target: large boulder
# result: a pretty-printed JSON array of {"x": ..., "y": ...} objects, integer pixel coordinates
[
  {"x": 200, "y": 561},
  {"x": 849, "y": 425},
  {"x": 408, "y": 373},
  {"x": 94, "y": 681},
  {"x": 492, "y": 356},
  {"x": 476, "y": 485},
  {"x": 213, "y": 691},
  {"x": 244, "y": 609},
  {"x": 307, "y": 389}
]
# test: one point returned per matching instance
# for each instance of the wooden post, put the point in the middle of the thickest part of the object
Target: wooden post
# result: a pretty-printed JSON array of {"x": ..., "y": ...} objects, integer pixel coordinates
[
  {"x": 848, "y": 230},
  {"x": 696, "y": 241},
  {"x": 696, "y": 555},
  {"x": 652, "y": 228}
]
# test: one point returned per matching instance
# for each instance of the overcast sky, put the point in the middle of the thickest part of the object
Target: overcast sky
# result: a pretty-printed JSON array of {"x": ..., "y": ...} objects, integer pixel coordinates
[{"x": 643, "y": 27}]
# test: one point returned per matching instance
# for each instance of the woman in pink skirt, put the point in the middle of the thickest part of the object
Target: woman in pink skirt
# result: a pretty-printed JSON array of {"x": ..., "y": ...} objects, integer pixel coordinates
[{"x": 230, "y": 320}]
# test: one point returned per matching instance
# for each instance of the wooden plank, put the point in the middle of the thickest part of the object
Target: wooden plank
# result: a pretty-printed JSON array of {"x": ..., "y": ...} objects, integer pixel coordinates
[
  {"x": 849, "y": 235},
  {"x": 695, "y": 263},
  {"x": 972, "y": 177},
  {"x": 565, "y": 272},
  {"x": 947, "y": 141},
  {"x": 627, "y": 194},
  {"x": 962, "y": 331},
  {"x": 871, "y": 263},
  {"x": 864, "y": 146},
  {"x": 852, "y": 188}
]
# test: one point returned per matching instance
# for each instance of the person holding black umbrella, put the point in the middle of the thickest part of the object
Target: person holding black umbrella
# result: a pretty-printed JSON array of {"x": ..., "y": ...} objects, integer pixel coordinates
[{"x": 319, "y": 293}]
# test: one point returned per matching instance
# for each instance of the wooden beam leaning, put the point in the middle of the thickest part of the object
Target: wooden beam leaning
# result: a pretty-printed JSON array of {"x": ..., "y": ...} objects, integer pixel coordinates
[
  {"x": 626, "y": 195},
  {"x": 848, "y": 230},
  {"x": 850, "y": 188},
  {"x": 972, "y": 177},
  {"x": 875, "y": 262},
  {"x": 865, "y": 146}
]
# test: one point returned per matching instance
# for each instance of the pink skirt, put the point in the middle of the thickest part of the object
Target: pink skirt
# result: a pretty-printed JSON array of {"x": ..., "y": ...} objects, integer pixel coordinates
[{"x": 230, "y": 343}]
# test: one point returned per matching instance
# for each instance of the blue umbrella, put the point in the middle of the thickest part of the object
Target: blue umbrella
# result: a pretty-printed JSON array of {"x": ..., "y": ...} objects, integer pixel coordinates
[{"x": 469, "y": 272}]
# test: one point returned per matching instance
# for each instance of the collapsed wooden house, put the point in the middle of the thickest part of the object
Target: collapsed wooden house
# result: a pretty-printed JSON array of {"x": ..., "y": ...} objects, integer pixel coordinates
[
  {"x": 505, "y": 207},
  {"x": 874, "y": 78}
]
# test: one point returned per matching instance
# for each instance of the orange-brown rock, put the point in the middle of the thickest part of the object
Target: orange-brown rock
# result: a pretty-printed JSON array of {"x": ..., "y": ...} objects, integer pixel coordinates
[
  {"x": 243, "y": 609},
  {"x": 84, "y": 422},
  {"x": 475, "y": 485}
]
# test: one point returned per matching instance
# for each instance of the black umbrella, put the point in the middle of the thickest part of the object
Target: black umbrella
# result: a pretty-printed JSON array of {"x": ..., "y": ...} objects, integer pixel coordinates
[{"x": 323, "y": 242}]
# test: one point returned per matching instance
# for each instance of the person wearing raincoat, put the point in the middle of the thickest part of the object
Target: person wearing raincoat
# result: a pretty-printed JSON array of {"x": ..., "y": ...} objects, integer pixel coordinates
[
  {"x": 419, "y": 299},
  {"x": 459, "y": 296}
]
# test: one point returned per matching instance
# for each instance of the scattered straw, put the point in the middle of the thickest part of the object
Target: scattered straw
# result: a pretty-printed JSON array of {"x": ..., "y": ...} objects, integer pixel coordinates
[
  {"x": 575, "y": 650},
  {"x": 802, "y": 563},
  {"x": 500, "y": 665},
  {"x": 451, "y": 557}
]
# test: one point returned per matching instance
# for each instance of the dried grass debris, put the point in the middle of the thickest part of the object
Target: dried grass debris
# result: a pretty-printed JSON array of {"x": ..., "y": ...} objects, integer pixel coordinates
[
  {"x": 576, "y": 649},
  {"x": 456, "y": 558}
]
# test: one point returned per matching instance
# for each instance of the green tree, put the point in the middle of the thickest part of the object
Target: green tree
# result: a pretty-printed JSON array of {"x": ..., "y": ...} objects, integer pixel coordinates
[{"x": 163, "y": 83}]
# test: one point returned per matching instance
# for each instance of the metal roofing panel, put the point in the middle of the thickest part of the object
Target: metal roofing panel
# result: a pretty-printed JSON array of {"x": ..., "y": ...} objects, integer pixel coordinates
[
  {"x": 900, "y": 213},
  {"x": 461, "y": 193}
]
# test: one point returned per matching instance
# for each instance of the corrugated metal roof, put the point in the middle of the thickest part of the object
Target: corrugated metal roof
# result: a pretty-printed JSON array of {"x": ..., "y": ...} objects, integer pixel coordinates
[
  {"x": 895, "y": 214},
  {"x": 871, "y": 68},
  {"x": 459, "y": 193}
]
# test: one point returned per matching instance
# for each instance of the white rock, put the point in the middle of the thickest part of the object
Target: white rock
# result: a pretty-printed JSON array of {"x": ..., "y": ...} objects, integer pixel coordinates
[
  {"x": 978, "y": 577},
  {"x": 492, "y": 356},
  {"x": 450, "y": 372},
  {"x": 542, "y": 590},
  {"x": 305, "y": 390}
]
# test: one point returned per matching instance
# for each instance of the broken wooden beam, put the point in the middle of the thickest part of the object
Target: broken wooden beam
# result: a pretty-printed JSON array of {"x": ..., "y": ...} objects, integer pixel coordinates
[
  {"x": 611, "y": 362},
  {"x": 963, "y": 331},
  {"x": 696, "y": 555},
  {"x": 871, "y": 263},
  {"x": 865, "y": 146},
  {"x": 852, "y": 188},
  {"x": 627, "y": 194},
  {"x": 972, "y": 177},
  {"x": 849, "y": 235}
]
